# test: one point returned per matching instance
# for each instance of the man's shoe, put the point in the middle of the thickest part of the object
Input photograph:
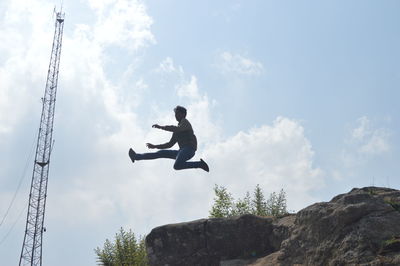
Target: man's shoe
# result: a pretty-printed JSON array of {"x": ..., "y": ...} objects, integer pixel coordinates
[
  {"x": 132, "y": 155},
  {"x": 204, "y": 166}
]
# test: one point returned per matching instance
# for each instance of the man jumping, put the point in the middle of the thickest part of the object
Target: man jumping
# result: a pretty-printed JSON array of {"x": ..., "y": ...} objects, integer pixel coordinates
[{"x": 184, "y": 135}]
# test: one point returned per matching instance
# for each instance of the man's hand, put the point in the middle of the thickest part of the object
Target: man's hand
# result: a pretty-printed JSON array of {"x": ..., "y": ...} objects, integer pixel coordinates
[
  {"x": 151, "y": 146},
  {"x": 157, "y": 126}
]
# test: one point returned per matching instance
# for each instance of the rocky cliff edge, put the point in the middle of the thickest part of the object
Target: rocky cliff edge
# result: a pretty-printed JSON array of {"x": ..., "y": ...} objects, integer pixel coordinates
[{"x": 361, "y": 227}]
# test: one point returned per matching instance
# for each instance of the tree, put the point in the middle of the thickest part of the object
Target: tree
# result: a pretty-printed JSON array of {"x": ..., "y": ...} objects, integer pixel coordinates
[
  {"x": 259, "y": 206},
  {"x": 276, "y": 204},
  {"x": 125, "y": 250},
  {"x": 225, "y": 205},
  {"x": 242, "y": 206}
]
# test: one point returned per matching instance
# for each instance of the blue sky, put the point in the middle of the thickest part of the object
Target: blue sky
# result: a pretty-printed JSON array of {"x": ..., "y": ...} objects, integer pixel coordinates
[{"x": 299, "y": 95}]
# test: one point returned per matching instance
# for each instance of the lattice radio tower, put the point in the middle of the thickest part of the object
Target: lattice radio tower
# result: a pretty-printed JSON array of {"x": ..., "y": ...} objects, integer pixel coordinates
[{"x": 31, "y": 253}]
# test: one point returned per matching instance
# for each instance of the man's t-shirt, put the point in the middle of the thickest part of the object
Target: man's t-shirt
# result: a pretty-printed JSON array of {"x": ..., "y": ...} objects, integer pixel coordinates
[{"x": 184, "y": 135}]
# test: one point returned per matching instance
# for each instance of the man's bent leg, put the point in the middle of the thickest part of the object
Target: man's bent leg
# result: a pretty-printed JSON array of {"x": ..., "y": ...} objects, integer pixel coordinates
[
  {"x": 182, "y": 158},
  {"x": 169, "y": 154}
]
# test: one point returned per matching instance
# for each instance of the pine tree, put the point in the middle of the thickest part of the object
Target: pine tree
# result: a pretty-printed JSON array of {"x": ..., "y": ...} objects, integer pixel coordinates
[
  {"x": 276, "y": 204},
  {"x": 281, "y": 202},
  {"x": 259, "y": 206},
  {"x": 223, "y": 203},
  {"x": 242, "y": 206}
]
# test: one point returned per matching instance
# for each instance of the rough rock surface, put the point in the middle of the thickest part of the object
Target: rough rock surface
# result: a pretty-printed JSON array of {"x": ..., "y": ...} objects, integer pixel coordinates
[
  {"x": 361, "y": 227},
  {"x": 212, "y": 241}
]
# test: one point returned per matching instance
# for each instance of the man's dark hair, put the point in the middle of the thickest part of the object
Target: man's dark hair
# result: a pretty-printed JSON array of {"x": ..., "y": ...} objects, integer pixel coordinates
[{"x": 181, "y": 109}]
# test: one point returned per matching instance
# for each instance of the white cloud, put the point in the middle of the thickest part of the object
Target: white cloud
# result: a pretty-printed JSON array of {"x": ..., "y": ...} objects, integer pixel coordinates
[
  {"x": 189, "y": 89},
  {"x": 198, "y": 104},
  {"x": 238, "y": 64},
  {"x": 370, "y": 140},
  {"x": 25, "y": 39},
  {"x": 23, "y": 61},
  {"x": 377, "y": 144},
  {"x": 122, "y": 22},
  {"x": 360, "y": 132},
  {"x": 365, "y": 141},
  {"x": 167, "y": 66},
  {"x": 90, "y": 106},
  {"x": 277, "y": 156}
]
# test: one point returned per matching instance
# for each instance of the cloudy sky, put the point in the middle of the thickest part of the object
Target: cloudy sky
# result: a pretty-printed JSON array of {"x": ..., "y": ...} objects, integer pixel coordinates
[{"x": 299, "y": 95}]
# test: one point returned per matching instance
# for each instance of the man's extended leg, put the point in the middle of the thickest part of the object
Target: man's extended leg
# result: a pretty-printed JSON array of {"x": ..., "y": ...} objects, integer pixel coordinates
[
  {"x": 169, "y": 154},
  {"x": 182, "y": 158}
]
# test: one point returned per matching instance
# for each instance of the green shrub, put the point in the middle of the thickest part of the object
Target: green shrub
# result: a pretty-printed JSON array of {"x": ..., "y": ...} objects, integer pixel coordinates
[{"x": 125, "y": 250}]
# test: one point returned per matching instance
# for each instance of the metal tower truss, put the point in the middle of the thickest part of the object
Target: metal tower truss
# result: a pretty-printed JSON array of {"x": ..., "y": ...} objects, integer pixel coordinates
[{"x": 31, "y": 253}]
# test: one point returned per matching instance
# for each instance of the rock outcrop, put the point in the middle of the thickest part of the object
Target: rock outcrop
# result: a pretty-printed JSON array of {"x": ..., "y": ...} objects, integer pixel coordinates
[{"x": 361, "y": 227}]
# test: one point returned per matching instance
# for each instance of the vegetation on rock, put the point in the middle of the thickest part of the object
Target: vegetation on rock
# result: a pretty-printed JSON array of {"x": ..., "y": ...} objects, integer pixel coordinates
[
  {"x": 126, "y": 249},
  {"x": 226, "y": 206}
]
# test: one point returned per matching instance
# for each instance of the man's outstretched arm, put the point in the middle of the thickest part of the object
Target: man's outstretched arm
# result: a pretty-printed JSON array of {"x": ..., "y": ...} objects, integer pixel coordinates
[
  {"x": 182, "y": 127},
  {"x": 162, "y": 146}
]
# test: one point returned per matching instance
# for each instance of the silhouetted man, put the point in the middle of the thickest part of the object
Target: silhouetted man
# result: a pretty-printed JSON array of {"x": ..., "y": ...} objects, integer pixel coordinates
[{"x": 184, "y": 135}]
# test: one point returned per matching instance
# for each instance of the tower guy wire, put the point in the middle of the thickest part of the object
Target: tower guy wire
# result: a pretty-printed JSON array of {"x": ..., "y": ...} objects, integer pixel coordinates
[{"x": 22, "y": 178}]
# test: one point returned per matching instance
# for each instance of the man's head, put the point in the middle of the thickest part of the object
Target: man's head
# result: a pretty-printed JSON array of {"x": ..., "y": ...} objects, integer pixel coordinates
[{"x": 180, "y": 112}]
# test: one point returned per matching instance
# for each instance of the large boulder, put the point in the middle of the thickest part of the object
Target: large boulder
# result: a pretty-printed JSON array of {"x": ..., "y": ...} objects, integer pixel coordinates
[
  {"x": 352, "y": 229},
  {"x": 361, "y": 227},
  {"x": 227, "y": 241}
]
